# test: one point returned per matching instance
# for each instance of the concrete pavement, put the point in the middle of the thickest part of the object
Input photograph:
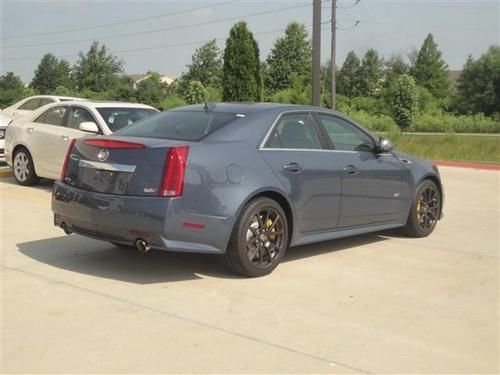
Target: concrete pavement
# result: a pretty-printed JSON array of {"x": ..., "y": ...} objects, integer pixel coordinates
[{"x": 377, "y": 303}]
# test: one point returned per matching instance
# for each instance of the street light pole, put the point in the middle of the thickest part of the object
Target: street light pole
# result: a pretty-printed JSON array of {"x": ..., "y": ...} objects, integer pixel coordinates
[
  {"x": 316, "y": 53},
  {"x": 333, "y": 54}
]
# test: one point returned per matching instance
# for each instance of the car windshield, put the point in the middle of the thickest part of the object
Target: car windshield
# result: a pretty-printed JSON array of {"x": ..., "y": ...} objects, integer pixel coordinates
[
  {"x": 117, "y": 118},
  {"x": 180, "y": 125}
]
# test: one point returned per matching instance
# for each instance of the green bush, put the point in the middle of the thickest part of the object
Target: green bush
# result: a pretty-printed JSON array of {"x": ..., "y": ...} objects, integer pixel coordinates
[
  {"x": 446, "y": 123},
  {"x": 376, "y": 123},
  {"x": 371, "y": 105},
  {"x": 172, "y": 101}
]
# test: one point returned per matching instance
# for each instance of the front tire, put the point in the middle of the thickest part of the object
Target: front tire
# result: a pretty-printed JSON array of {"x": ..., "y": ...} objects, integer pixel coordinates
[
  {"x": 24, "y": 169},
  {"x": 259, "y": 239},
  {"x": 425, "y": 210}
]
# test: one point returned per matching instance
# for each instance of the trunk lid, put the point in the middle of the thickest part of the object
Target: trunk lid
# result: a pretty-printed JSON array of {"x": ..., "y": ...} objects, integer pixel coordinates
[{"x": 135, "y": 167}]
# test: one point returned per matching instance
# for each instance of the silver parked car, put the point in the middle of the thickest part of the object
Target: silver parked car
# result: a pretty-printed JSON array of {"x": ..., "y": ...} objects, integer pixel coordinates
[
  {"x": 35, "y": 145},
  {"x": 243, "y": 180}
]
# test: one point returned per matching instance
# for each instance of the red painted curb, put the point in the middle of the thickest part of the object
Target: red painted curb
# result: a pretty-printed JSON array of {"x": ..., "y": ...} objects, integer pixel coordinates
[{"x": 466, "y": 164}]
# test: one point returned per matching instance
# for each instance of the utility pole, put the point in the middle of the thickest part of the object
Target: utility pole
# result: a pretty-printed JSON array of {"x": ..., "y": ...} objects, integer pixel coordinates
[
  {"x": 316, "y": 53},
  {"x": 332, "y": 57}
]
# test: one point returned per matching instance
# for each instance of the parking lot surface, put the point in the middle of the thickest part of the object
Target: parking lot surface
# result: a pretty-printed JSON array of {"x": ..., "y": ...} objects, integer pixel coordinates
[{"x": 378, "y": 303}]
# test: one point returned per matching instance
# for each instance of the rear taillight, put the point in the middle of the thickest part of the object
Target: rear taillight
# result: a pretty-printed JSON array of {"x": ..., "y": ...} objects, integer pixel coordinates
[
  {"x": 173, "y": 173},
  {"x": 112, "y": 144},
  {"x": 66, "y": 160}
]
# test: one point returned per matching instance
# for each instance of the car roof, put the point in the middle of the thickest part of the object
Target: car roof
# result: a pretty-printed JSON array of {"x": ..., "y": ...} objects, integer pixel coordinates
[
  {"x": 106, "y": 104},
  {"x": 55, "y": 97},
  {"x": 249, "y": 108}
]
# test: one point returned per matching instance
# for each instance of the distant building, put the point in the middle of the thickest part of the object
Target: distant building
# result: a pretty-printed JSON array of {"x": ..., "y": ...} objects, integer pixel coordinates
[
  {"x": 454, "y": 76},
  {"x": 137, "y": 78}
]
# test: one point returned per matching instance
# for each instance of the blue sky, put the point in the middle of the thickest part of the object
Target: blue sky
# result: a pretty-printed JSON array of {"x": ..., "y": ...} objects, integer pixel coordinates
[{"x": 391, "y": 27}]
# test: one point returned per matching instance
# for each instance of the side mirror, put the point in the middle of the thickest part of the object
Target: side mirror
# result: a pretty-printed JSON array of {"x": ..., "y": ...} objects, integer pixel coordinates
[
  {"x": 89, "y": 127},
  {"x": 385, "y": 146}
]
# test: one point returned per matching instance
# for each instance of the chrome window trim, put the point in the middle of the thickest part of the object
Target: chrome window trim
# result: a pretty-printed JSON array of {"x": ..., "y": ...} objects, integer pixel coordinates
[
  {"x": 113, "y": 167},
  {"x": 308, "y": 150}
]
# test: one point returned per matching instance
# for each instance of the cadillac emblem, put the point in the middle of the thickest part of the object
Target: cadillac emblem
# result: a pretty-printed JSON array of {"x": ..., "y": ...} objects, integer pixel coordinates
[{"x": 103, "y": 154}]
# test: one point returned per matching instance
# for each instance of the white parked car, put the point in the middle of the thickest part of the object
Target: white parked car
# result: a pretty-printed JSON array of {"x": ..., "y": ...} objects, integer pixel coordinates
[
  {"x": 4, "y": 121},
  {"x": 32, "y": 103},
  {"x": 36, "y": 145}
]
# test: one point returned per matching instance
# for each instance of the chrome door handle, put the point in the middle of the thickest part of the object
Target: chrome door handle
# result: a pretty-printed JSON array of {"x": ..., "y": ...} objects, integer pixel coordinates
[
  {"x": 293, "y": 167},
  {"x": 30, "y": 130},
  {"x": 64, "y": 137},
  {"x": 350, "y": 170}
]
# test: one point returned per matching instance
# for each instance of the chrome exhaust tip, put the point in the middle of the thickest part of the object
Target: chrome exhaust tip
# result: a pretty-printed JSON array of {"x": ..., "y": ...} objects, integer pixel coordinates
[{"x": 142, "y": 246}]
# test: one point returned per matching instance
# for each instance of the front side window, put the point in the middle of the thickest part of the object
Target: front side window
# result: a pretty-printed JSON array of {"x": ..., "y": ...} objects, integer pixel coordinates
[
  {"x": 77, "y": 115},
  {"x": 30, "y": 105},
  {"x": 118, "y": 118},
  {"x": 345, "y": 136},
  {"x": 53, "y": 116},
  {"x": 295, "y": 131}
]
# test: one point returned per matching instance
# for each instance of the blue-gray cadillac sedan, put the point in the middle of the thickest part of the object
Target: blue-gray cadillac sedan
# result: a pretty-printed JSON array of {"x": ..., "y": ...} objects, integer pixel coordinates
[{"x": 243, "y": 180}]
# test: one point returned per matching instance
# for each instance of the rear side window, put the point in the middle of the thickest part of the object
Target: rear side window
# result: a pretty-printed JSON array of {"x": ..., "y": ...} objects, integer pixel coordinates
[
  {"x": 179, "y": 125},
  {"x": 295, "y": 131},
  {"x": 30, "y": 105},
  {"x": 44, "y": 101}
]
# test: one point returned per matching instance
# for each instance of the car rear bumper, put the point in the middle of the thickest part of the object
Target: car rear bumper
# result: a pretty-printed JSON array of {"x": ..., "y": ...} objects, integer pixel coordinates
[
  {"x": 161, "y": 222},
  {"x": 2, "y": 150}
]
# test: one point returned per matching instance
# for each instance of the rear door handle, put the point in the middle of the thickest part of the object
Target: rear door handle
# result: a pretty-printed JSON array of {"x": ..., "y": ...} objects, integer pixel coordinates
[
  {"x": 30, "y": 130},
  {"x": 350, "y": 170},
  {"x": 293, "y": 167},
  {"x": 64, "y": 137}
]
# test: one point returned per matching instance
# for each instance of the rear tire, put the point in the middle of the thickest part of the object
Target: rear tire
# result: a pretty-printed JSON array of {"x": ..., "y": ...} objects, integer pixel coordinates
[
  {"x": 24, "y": 169},
  {"x": 425, "y": 210},
  {"x": 259, "y": 239}
]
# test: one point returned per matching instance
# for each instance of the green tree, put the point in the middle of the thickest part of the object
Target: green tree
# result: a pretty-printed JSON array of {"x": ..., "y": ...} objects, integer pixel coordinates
[
  {"x": 51, "y": 73},
  {"x": 11, "y": 89},
  {"x": 430, "y": 70},
  {"x": 152, "y": 90},
  {"x": 479, "y": 84},
  {"x": 404, "y": 101},
  {"x": 195, "y": 93},
  {"x": 347, "y": 77},
  {"x": 394, "y": 67},
  {"x": 242, "y": 80},
  {"x": 206, "y": 65},
  {"x": 97, "y": 69},
  {"x": 290, "y": 59},
  {"x": 371, "y": 74}
]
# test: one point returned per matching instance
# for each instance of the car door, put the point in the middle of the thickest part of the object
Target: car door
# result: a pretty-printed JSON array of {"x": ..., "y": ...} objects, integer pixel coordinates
[
  {"x": 372, "y": 183},
  {"x": 48, "y": 140},
  {"x": 299, "y": 158}
]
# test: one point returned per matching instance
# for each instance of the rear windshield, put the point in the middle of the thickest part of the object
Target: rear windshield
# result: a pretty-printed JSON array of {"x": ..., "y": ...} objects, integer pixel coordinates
[
  {"x": 179, "y": 125},
  {"x": 117, "y": 118}
]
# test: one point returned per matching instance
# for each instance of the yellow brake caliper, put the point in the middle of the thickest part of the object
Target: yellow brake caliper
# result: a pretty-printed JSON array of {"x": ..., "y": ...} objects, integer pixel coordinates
[
  {"x": 418, "y": 209},
  {"x": 269, "y": 223}
]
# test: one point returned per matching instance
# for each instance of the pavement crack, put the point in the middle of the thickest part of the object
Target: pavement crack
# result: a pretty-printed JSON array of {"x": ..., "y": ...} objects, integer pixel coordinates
[{"x": 189, "y": 320}]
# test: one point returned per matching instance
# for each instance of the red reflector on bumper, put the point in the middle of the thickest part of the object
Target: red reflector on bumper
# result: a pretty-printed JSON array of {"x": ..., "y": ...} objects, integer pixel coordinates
[{"x": 193, "y": 225}]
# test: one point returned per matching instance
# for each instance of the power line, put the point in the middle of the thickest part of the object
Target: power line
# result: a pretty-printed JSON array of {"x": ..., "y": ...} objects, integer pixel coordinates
[
  {"x": 159, "y": 30},
  {"x": 161, "y": 46},
  {"x": 58, "y": 32}
]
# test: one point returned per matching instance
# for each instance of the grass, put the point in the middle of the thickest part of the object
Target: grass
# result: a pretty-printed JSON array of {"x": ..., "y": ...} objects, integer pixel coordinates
[{"x": 450, "y": 147}]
